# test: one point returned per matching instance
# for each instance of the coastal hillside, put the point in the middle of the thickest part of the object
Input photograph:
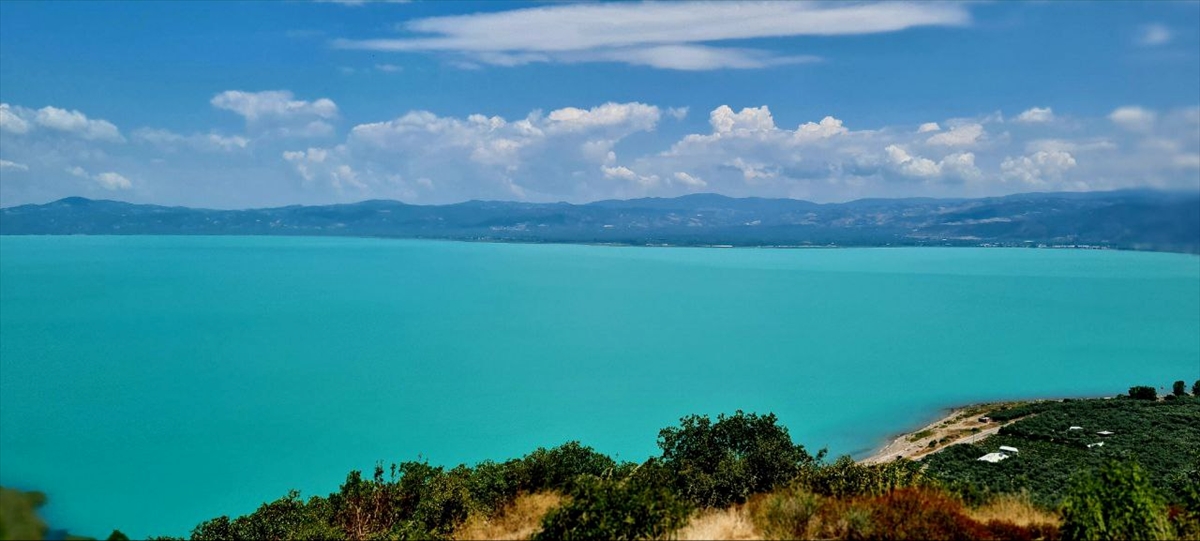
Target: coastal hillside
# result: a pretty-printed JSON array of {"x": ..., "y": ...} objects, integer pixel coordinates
[
  {"x": 1139, "y": 220},
  {"x": 1129, "y": 469}
]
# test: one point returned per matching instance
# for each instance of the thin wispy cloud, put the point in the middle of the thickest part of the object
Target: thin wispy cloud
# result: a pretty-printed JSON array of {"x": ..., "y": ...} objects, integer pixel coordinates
[
  {"x": 1152, "y": 35},
  {"x": 674, "y": 35}
]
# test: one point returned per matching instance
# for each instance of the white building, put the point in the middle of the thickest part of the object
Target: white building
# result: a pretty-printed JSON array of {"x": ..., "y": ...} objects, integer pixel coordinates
[{"x": 993, "y": 457}]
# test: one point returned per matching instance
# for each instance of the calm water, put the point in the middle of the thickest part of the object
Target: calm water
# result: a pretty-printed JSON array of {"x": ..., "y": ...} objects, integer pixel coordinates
[{"x": 148, "y": 383}]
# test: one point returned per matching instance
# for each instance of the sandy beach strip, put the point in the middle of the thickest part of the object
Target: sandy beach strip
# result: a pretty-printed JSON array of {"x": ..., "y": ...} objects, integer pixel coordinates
[{"x": 964, "y": 424}]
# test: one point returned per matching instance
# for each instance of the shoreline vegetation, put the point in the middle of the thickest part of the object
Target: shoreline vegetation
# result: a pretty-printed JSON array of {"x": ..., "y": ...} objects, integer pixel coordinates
[{"x": 1123, "y": 467}]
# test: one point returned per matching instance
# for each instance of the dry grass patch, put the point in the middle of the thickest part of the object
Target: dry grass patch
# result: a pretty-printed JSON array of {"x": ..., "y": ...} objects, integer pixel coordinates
[
  {"x": 733, "y": 523},
  {"x": 1015, "y": 508},
  {"x": 520, "y": 520}
]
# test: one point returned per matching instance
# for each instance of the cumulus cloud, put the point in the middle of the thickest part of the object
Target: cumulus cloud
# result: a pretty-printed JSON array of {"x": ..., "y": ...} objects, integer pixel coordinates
[
  {"x": 19, "y": 120},
  {"x": 958, "y": 136},
  {"x": 77, "y": 123},
  {"x": 929, "y": 127},
  {"x": 625, "y": 173},
  {"x": 10, "y": 121},
  {"x": 1036, "y": 115},
  {"x": 113, "y": 181},
  {"x": 1038, "y": 169},
  {"x": 689, "y": 180},
  {"x": 1133, "y": 118},
  {"x": 13, "y": 166},
  {"x": 959, "y": 165},
  {"x": 279, "y": 112},
  {"x": 495, "y": 157},
  {"x": 673, "y": 35}
]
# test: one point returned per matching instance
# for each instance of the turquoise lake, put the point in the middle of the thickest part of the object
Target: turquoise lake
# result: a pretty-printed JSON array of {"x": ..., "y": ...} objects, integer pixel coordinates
[{"x": 150, "y": 383}]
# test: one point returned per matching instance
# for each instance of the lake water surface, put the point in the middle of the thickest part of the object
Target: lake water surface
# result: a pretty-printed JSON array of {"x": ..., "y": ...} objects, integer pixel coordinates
[{"x": 149, "y": 383}]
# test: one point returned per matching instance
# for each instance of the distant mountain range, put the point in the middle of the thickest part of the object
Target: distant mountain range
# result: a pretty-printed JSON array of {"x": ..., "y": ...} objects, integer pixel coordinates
[{"x": 1139, "y": 220}]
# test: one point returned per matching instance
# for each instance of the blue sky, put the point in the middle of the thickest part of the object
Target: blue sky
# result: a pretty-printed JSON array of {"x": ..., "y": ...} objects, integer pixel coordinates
[{"x": 234, "y": 104}]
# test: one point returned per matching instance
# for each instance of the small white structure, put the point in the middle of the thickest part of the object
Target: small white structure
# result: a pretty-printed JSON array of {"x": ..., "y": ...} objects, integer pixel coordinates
[
  {"x": 1076, "y": 428},
  {"x": 1105, "y": 433},
  {"x": 1097, "y": 444},
  {"x": 993, "y": 457},
  {"x": 1007, "y": 449}
]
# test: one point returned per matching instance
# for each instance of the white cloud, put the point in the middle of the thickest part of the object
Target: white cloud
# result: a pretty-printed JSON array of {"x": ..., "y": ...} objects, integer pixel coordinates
[
  {"x": 689, "y": 180},
  {"x": 113, "y": 181},
  {"x": 680, "y": 57},
  {"x": 958, "y": 136},
  {"x": 275, "y": 106},
  {"x": 1186, "y": 161},
  {"x": 13, "y": 166},
  {"x": 108, "y": 180},
  {"x": 678, "y": 113},
  {"x": 750, "y": 120},
  {"x": 1039, "y": 168},
  {"x": 929, "y": 127},
  {"x": 77, "y": 123},
  {"x": 486, "y": 153},
  {"x": 1086, "y": 145},
  {"x": 1133, "y": 118},
  {"x": 1151, "y": 35},
  {"x": 1036, "y": 115},
  {"x": 828, "y": 127},
  {"x": 637, "y": 116},
  {"x": 389, "y": 68},
  {"x": 10, "y": 121},
  {"x": 670, "y": 35},
  {"x": 625, "y": 173},
  {"x": 200, "y": 141},
  {"x": 913, "y": 166}
]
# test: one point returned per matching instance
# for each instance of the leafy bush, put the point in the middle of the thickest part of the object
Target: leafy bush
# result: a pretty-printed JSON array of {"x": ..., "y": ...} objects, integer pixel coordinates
[
  {"x": 1179, "y": 389},
  {"x": 846, "y": 478},
  {"x": 615, "y": 509},
  {"x": 787, "y": 514},
  {"x": 1116, "y": 502},
  {"x": 716, "y": 464},
  {"x": 1143, "y": 392},
  {"x": 556, "y": 468}
]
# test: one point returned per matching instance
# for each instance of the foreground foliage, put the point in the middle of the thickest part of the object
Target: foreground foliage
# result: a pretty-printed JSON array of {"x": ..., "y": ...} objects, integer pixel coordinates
[{"x": 1143, "y": 483}]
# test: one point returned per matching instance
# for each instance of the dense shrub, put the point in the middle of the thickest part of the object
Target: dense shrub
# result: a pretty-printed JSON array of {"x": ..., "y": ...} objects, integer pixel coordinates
[
  {"x": 787, "y": 513},
  {"x": 847, "y": 478},
  {"x": 556, "y": 468},
  {"x": 716, "y": 464},
  {"x": 1179, "y": 389},
  {"x": 1116, "y": 502},
  {"x": 286, "y": 518},
  {"x": 615, "y": 509},
  {"x": 1143, "y": 392},
  {"x": 913, "y": 513}
]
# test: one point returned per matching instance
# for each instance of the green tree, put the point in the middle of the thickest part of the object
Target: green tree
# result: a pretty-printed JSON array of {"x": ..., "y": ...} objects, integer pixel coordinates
[
  {"x": 615, "y": 509},
  {"x": 1180, "y": 388},
  {"x": 1116, "y": 502},
  {"x": 1143, "y": 392},
  {"x": 1196, "y": 388},
  {"x": 716, "y": 464}
]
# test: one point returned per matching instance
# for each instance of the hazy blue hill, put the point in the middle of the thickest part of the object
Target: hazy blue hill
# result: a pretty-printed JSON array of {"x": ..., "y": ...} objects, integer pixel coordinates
[{"x": 1136, "y": 219}]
